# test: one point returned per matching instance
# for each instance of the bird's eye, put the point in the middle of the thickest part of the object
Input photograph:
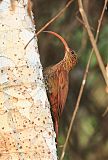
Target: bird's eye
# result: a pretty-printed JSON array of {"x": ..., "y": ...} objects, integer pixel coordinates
[{"x": 73, "y": 52}]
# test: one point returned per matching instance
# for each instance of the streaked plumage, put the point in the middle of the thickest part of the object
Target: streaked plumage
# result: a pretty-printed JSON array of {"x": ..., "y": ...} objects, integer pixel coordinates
[{"x": 57, "y": 81}]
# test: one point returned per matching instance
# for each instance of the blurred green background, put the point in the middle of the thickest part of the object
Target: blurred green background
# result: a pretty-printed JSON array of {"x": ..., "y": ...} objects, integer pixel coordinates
[{"x": 89, "y": 136}]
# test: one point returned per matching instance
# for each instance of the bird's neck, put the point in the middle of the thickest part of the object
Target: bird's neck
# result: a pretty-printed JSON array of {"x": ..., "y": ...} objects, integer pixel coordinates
[{"x": 68, "y": 63}]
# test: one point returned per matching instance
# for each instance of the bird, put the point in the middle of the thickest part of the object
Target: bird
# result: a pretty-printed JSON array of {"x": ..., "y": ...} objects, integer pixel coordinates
[{"x": 57, "y": 81}]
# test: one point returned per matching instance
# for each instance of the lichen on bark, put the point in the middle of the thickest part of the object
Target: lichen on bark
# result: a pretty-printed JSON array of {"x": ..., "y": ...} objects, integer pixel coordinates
[{"x": 26, "y": 127}]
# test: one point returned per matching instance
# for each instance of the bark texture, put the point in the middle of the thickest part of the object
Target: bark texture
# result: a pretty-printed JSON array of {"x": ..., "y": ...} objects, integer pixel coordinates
[{"x": 26, "y": 127}]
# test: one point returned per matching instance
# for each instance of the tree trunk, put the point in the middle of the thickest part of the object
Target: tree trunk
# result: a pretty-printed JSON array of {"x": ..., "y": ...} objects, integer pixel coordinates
[{"x": 26, "y": 127}]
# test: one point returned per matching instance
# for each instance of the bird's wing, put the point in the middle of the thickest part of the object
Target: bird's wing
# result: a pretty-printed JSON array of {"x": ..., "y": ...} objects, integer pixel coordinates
[
  {"x": 62, "y": 91},
  {"x": 57, "y": 91}
]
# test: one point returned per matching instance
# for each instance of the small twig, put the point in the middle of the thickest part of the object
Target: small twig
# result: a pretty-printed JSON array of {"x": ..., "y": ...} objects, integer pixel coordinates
[
  {"x": 54, "y": 18},
  {"x": 84, "y": 33},
  {"x": 82, "y": 85},
  {"x": 81, "y": 21},
  {"x": 49, "y": 22},
  {"x": 105, "y": 112},
  {"x": 93, "y": 42}
]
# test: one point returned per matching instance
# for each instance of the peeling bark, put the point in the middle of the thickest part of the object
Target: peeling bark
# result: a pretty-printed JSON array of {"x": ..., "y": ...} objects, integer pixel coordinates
[{"x": 26, "y": 127}]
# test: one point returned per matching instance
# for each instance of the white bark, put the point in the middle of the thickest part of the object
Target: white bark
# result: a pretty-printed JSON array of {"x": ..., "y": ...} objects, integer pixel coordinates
[{"x": 26, "y": 127}]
